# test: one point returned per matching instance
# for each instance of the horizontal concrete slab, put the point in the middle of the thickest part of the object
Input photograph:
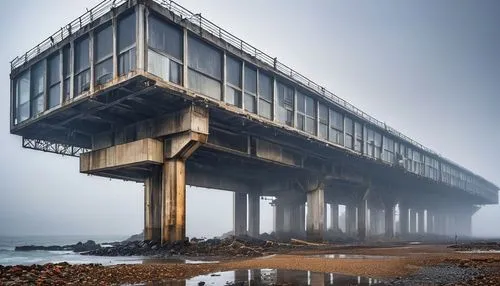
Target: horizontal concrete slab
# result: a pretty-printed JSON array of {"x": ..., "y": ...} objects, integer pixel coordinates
[{"x": 145, "y": 151}]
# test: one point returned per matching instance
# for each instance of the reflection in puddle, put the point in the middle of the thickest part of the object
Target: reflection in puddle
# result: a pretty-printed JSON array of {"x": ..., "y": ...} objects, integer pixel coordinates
[
  {"x": 175, "y": 261},
  {"x": 262, "y": 277},
  {"x": 350, "y": 256}
]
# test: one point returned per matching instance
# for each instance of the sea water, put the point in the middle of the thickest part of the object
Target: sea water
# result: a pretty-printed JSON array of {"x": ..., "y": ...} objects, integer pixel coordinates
[{"x": 10, "y": 257}]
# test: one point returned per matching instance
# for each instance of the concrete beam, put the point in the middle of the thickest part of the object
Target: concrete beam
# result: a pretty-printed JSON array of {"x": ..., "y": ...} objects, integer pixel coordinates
[{"x": 146, "y": 151}]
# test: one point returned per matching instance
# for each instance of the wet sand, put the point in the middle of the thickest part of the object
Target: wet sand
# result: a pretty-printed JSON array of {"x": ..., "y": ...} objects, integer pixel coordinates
[{"x": 394, "y": 262}]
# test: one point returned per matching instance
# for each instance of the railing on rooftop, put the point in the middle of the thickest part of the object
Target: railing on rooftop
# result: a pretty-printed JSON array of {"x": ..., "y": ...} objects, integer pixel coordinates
[{"x": 206, "y": 25}]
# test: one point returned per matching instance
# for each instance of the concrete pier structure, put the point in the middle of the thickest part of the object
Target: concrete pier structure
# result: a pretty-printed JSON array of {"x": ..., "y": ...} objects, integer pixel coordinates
[
  {"x": 362, "y": 220},
  {"x": 421, "y": 221},
  {"x": 404, "y": 224},
  {"x": 253, "y": 214},
  {"x": 240, "y": 213},
  {"x": 334, "y": 216},
  {"x": 209, "y": 110},
  {"x": 430, "y": 222},
  {"x": 413, "y": 221},
  {"x": 315, "y": 213}
]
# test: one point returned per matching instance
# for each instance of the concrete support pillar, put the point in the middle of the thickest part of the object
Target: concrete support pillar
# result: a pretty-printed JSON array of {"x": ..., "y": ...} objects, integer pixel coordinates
[
  {"x": 152, "y": 205},
  {"x": 440, "y": 224},
  {"x": 403, "y": 219},
  {"x": 296, "y": 220},
  {"x": 467, "y": 224},
  {"x": 376, "y": 221},
  {"x": 413, "y": 221},
  {"x": 287, "y": 218},
  {"x": 334, "y": 216},
  {"x": 421, "y": 222},
  {"x": 253, "y": 214},
  {"x": 430, "y": 222},
  {"x": 315, "y": 214},
  {"x": 174, "y": 200},
  {"x": 278, "y": 219},
  {"x": 240, "y": 213},
  {"x": 350, "y": 219},
  {"x": 302, "y": 218},
  {"x": 389, "y": 219},
  {"x": 362, "y": 220}
]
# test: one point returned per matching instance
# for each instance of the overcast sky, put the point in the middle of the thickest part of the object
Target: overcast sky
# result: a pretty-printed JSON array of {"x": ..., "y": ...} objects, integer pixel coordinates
[{"x": 430, "y": 69}]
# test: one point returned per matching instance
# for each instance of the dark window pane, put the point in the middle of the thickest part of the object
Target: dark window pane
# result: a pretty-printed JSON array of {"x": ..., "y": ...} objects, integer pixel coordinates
[
  {"x": 265, "y": 86},
  {"x": 158, "y": 64},
  {"x": 301, "y": 103},
  {"x": 126, "y": 62},
  {"x": 285, "y": 104},
  {"x": 250, "y": 103},
  {"x": 323, "y": 131},
  {"x": 23, "y": 96},
  {"x": 348, "y": 141},
  {"x": 300, "y": 122},
  {"x": 336, "y": 120},
  {"x": 310, "y": 107},
  {"x": 233, "y": 96},
  {"x": 348, "y": 126},
  {"x": 310, "y": 125},
  {"x": 233, "y": 71},
  {"x": 264, "y": 108},
  {"x": 82, "y": 82},
  {"x": 164, "y": 37},
  {"x": 175, "y": 72},
  {"x": 104, "y": 71},
  {"x": 82, "y": 55},
  {"x": 204, "y": 84},
  {"x": 37, "y": 79},
  {"x": 104, "y": 44},
  {"x": 37, "y": 105},
  {"x": 54, "y": 69},
  {"x": 66, "y": 61},
  {"x": 204, "y": 58},
  {"x": 250, "y": 79},
  {"x": 54, "y": 95},
  {"x": 126, "y": 32},
  {"x": 323, "y": 114},
  {"x": 66, "y": 90}
]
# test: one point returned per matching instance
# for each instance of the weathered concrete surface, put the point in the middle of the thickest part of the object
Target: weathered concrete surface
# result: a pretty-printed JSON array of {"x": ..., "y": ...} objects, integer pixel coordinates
[
  {"x": 145, "y": 151},
  {"x": 316, "y": 214},
  {"x": 240, "y": 213}
]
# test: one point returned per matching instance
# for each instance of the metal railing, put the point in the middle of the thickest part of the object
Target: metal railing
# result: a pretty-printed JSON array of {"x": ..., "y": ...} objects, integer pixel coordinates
[{"x": 204, "y": 24}]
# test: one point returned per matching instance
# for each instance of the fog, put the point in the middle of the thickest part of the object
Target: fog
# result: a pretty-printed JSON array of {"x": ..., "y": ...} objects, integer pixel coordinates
[{"x": 430, "y": 69}]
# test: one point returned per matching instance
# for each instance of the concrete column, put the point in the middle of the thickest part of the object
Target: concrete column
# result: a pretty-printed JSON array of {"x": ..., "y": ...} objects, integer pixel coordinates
[
  {"x": 302, "y": 217},
  {"x": 421, "y": 221},
  {"x": 315, "y": 214},
  {"x": 240, "y": 213},
  {"x": 334, "y": 216},
  {"x": 174, "y": 200},
  {"x": 350, "y": 219},
  {"x": 389, "y": 219},
  {"x": 403, "y": 219},
  {"x": 413, "y": 221},
  {"x": 278, "y": 219},
  {"x": 253, "y": 214},
  {"x": 295, "y": 220},
  {"x": 362, "y": 220},
  {"x": 430, "y": 222},
  {"x": 152, "y": 205},
  {"x": 287, "y": 218},
  {"x": 467, "y": 225}
]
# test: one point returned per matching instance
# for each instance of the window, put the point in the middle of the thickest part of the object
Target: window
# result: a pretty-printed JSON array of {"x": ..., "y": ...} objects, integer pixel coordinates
[
  {"x": 306, "y": 113},
  {"x": 126, "y": 44},
  {"x": 23, "y": 97},
  {"x": 265, "y": 94},
  {"x": 37, "y": 88},
  {"x": 284, "y": 112},
  {"x": 378, "y": 145},
  {"x": 104, "y": 55},
  {"x": 67, "y": 65},
  {"x": 165, "y": 50},
  {"x": 323, "y": 122},
  {"x": 388, "y": 153},
  {"x": 54, "y": 74},
  {"x": 233, "y": 81},
  {"x": 358, "y": 137},
  {"x": 349, "y": 133},
  {"x": 82, "y": 66},
  {"x": 205, "y": 68},
  {"x": 370, "y": 143},
  {"x": 336, "y": 127}
]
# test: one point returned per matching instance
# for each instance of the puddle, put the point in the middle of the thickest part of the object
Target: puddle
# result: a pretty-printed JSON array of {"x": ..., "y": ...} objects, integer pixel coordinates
[
  {"x": 480, "y": 251},
  {"x": 176, "y": 261},
  {"x": 262, "y": 277},
  {"x": 350, "y": 256}
]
